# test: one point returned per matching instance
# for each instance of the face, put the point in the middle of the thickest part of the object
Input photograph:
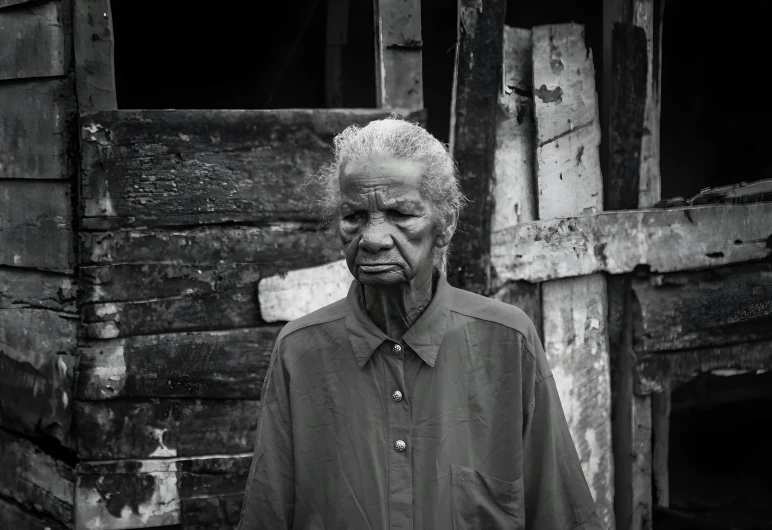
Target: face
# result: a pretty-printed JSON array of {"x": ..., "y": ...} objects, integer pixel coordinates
[{"x": 387, "y": 227}]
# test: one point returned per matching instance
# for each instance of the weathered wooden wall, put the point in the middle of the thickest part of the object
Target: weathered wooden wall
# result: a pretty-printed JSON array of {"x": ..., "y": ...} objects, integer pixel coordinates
[{"x": 38, "y": 287}]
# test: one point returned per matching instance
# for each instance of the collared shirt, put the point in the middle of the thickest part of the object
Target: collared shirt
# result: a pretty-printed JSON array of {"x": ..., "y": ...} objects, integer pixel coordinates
[{"x": 457, "y": 425}]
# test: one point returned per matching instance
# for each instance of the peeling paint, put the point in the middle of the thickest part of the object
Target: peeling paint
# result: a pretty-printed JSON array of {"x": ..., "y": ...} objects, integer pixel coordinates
[{"x": 161, "y": 450}]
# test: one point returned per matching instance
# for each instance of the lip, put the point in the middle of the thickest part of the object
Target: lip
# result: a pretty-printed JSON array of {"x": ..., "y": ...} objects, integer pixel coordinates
[{"x": 384, "y": 267}]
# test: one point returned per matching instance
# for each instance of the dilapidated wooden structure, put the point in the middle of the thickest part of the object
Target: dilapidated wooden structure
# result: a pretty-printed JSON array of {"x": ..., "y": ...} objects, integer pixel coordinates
[{"x": 148, "y": 258}]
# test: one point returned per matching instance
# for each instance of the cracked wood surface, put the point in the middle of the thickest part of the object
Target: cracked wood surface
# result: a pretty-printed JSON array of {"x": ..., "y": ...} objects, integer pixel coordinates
[
  {"x": 33, "y": 40},
  {"x": 569, "y": 183},
  {"x": 189, "y": 167},
  {"x": 617, "y": 242}
]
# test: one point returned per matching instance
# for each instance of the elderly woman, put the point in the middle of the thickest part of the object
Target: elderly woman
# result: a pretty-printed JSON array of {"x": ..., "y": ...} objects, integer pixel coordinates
[{"x": 409, "y": 404}]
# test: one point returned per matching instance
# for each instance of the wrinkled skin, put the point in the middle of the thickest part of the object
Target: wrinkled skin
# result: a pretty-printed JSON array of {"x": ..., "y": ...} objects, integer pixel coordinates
[{"x": 391, "y": 234}]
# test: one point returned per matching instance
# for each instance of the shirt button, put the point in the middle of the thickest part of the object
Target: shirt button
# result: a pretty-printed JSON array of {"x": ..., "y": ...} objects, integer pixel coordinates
[
  {"x": 400, "y": 446},
  {"x": 396, "y": 349},
  {"x": 396, "y": 396}
]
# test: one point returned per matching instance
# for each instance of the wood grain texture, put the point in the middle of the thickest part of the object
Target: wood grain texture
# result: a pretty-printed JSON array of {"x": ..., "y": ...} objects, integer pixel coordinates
[
  {"x": 660, "y": 441},
  {"x": 93, "y": 44},
  {"x": 208, "y": 364},
  {"x": 142, "y": 493},
  {"x": 32, "y": 41},
  {"x": 716, "y": 307},
  {"x": 659, "y": 372},
  {"x": 569, "y": 183},
  {"x": 157, "y": 428},
  {"x": 37, "y": 126},
  {"x": 35, "y": 480},
  {"x": 473, "y": 123},
  {"x": 36, "y": 225},
  {"x": 617, "y": 242},
  {"x": 183, "y": 167},
  {"x": 399, "y": 63},
  {"x": 12, "y": 516}
]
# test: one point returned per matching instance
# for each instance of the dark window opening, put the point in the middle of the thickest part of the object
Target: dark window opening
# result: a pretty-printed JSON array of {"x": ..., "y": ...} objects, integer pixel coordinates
[
  {"x": 720, "y": 463},
  {"x": 244, "y": 55},
  {"x": 714, "y": 123}
]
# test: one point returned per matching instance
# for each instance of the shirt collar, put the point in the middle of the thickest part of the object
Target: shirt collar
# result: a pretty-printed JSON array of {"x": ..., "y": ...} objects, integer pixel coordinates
[{"x": 424, "y": 336}]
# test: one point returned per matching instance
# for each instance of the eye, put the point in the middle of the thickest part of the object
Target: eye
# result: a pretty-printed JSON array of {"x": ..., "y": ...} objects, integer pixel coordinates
[
  {"x": 353, "y": 217},
  {"x": 400, "y": 214}
]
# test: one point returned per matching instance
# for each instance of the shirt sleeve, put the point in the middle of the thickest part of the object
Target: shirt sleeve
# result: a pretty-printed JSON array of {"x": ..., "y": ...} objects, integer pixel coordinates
[
  {"x": 269, "y": 499},
  {"x": 556, "y": 493}
]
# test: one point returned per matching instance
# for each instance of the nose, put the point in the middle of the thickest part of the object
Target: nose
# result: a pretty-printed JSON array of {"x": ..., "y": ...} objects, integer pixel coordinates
[{"x": 376, "y": 238}]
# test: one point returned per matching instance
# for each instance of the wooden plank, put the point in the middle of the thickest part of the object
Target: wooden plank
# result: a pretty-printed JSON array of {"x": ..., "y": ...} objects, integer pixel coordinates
[
  {"x": 36, "y": 225},
  {"x": 206, "y": 364},
  {"x": 398, "y": 54},
  {"x": 337, "y": 36},
  {"x": 143, "y": 493},
  {"x": 302, "y": 291},
  {"x": 37, "y": 120},
  {"x": 659, "y": 372},
  {"x": 35, "y": 480},
  {"x": 715, "y": 307},
  {"x": 27, "y": 288},
  {"x": 742, "y": 193},
  {"x": 665, "y": 240},
  {"x": 276, "y": 246},
  {"x": 569, "y": 182},
  {"x": 12, "y": 516},
  {"x": 32, "y": 41},
  {"x": 473, "y": 119},
  {"x": 157, "y": 428},
  {"x": 7, "y": 3},
  {"x": 183, "y": 167},
  {"x": 93, "y": 43},
  {"x": 660, "y": 414}
]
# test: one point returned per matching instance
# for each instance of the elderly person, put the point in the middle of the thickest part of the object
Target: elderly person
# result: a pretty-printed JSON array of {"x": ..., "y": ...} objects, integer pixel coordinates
[{"x": 409, "y": 404}]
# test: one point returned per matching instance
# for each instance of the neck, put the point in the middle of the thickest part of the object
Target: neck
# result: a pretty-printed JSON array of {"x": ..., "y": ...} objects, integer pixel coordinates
[{"x": 394, "y": 308}]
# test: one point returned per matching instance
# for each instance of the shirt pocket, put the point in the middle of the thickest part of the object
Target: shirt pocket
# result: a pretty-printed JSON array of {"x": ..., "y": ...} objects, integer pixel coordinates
[{"x": 482, "y": 502}]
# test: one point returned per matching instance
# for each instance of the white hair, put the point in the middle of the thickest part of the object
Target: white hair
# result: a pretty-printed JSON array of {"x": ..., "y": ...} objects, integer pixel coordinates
[{"x": 394, "y": 137}]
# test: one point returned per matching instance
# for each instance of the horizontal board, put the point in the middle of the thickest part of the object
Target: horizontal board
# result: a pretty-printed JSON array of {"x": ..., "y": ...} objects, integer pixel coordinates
[
  {"x": 658, "y": 372},
  {"x": 34, "y": 479},
  {"x": 37, "y": 129},
  {"x": 32, "y": 41},
  {"x": 742, "y": 193},
  {"x": 28, "y": 288},
  {"x": 207, "y": 364},
  {"x": 183, "y": 167},
  {"x": 716, "y": 307},
  {"x": 143, "y": 493},
  {"x": 36, "y": 225},
  {"x": 148, "y": 428},
  {"x": 13, "y": 517},
  {"x": 665, "y": 240}
]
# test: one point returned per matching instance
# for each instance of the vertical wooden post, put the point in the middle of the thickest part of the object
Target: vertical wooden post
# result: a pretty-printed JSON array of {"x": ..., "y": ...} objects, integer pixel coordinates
[
  {"x": 93, "y": 43},
  {"x": 473, "y": 118},
  {"x": 660, "y": 419},
  {"x": 398, "y": 57},
  {"x": 632, "y": 414},
  {"x": 513, "y": 180},
  {"x": 337, "y": 33},
  {"x": 569, "y": 183}
]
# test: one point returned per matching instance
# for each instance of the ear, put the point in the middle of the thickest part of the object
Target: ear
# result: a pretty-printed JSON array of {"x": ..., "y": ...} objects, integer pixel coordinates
[{"x": 446, "y": 230}]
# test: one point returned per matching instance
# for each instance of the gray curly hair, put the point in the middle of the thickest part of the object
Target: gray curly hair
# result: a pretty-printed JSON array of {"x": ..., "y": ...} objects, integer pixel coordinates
[{"x": 394, "y": 137}]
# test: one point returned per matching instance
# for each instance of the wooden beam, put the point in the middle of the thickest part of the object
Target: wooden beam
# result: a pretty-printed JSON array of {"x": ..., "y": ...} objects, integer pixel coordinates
[
  {"x": 569, "y": 183},
  {"x": 665, "y": 240},
  {"x": 398, "y": 54},
  {"x": 660, "y": 420},
  {"x": 155, "y": 428},
  {"x": 33, "y": 41},
  {"x": 206, "y": 364},
  {"x": 35, "y": 480},
  {"x": 12, "y": 516},
  {"x": 660, "y": 372},
  {"x": 94, "y": 59},
  {"x": 167, "y": 168},
  {"x": 716, "y": 307},
  {"x": 141, "y": 493},
  {"x": 36, "y": 225},
  {"x": 337, "y": 36},
  {"x": 37, "y": 120},
  {"x": 474, "y": 115},
  {"x": 513, "y": 183}
]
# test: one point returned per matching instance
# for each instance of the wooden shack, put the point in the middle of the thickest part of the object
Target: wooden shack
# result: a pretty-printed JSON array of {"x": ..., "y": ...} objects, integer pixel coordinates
[{"x": 149, "y": 257}]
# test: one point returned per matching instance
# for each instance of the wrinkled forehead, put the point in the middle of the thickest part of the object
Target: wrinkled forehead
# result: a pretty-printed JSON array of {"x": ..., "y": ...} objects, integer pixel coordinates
[{"x": 385, "y": 177}]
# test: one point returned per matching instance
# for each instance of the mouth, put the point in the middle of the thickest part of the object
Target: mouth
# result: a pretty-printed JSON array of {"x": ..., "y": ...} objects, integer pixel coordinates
[{"x": 385, "y": 267}]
